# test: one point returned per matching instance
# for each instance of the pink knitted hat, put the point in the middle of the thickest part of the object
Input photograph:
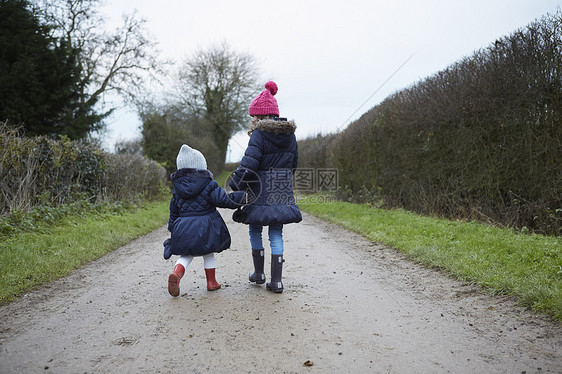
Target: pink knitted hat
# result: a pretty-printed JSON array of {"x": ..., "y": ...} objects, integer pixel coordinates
[{"x": 265, "y": 104}]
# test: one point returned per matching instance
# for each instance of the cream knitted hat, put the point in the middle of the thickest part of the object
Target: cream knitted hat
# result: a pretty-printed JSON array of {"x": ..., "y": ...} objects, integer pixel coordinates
[{"x": 190, "y": 158}]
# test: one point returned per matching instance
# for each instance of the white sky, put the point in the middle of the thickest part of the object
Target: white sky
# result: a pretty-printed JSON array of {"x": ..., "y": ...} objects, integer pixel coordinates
[{"x": 327, "y": 57}]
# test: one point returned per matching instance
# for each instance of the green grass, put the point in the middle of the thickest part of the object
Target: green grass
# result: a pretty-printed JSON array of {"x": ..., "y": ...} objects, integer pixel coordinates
[
  {"x": 221, "y": 179},
  {"x": 29, "y": 259},
  {"x": 505, "y": 262},
  {"x": 49, "y": 243}
]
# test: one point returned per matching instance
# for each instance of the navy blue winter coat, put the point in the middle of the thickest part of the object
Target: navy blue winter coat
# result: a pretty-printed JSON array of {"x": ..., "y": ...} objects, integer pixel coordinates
[
  {"x": 266, "y": 173},
  {"x": 197, "y": 227}
]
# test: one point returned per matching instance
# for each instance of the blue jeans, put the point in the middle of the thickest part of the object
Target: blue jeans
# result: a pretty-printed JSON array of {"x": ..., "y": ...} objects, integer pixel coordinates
[{"x": 275, "y": 238}]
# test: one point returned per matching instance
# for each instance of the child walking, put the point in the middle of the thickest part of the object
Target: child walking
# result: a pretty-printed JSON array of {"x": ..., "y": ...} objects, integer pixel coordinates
[
  {"x": 196, "y": 226},
  {"x": 266, "y": 173}
]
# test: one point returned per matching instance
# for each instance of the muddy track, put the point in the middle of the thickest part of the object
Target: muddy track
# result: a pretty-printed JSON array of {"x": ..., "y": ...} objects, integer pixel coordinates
[{"x": 349, "y": 306}]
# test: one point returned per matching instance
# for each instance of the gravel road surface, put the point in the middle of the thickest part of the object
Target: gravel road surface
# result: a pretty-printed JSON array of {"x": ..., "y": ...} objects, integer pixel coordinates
[{"x": 349, "y": 306}]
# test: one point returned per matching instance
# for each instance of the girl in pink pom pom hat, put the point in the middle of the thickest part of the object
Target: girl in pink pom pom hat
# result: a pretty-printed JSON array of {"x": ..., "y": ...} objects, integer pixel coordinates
[{"x": 266, "y": 174}]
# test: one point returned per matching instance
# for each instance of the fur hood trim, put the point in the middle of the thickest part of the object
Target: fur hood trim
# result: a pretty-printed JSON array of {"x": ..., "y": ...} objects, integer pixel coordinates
[
  {"x": 199, "y": 173},
  {"x": 277, "y": 127}
]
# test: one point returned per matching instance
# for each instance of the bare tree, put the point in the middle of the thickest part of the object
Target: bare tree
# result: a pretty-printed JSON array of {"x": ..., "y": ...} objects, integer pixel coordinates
[
  {"x": 118, "y": 61},
  {"x": 218, "y": 85}
]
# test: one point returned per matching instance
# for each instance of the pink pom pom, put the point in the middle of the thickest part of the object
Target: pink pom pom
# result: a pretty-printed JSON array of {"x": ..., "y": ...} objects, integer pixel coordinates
[{"x": 271, "y": 87}]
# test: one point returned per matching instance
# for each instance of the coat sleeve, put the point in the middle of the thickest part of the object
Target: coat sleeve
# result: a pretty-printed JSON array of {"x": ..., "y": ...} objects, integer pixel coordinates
[
  {"x": 174, "y": 213},
  {"x": 220, "y": 199},
  {"x": 249, "y": 165},
  {"x": 296, "y": 161}
]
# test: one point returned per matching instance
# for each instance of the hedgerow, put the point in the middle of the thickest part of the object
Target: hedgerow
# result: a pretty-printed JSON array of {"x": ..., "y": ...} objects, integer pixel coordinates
[
  {"x": 39, "y": 175},
  {"x": 481, "y": 139}
]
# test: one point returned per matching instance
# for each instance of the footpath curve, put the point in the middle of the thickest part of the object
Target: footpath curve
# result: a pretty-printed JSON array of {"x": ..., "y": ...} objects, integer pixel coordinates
[{"x": 349, "y": 306}]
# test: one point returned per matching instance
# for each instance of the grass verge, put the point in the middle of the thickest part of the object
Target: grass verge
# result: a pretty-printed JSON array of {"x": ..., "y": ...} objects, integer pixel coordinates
[
  {"x": 506, "y": 262},
  {"x": 30, "y": 259},
  {"x": 222, "y": 178}
]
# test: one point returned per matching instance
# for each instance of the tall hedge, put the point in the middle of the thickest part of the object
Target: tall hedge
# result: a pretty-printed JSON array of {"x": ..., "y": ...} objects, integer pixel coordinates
[
  {"x": 315, "y": 152},
  {"x": 480, "y": 140},
  {"x": 42, "y": 171}
]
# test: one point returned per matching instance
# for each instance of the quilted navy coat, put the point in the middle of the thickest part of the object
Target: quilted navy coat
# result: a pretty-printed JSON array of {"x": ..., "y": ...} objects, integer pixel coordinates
[
  {"x": 196, "y": 226},
  {"x": 266, "y": 174}
]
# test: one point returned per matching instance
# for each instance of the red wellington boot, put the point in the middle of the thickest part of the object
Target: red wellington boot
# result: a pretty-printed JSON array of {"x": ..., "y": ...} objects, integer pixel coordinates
[
  {"x": 174, "y": 280},
  {"x": 212, "y": 283}
]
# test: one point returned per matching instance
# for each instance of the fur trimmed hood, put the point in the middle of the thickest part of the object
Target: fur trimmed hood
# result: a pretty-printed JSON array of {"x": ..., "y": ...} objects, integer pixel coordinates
[
  {"x": 276, "y": 127},
  {"x": 199, "y": 173},
  {"x": 190, "y": 182}
]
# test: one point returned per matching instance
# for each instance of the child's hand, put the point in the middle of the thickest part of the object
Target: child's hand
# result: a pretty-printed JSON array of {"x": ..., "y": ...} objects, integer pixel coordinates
[
  {"x": 239, "y": 198},
  {"x": 239, "y": 215}
]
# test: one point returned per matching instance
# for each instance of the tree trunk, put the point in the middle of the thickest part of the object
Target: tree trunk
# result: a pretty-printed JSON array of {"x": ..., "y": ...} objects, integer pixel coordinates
[{"x": 221, "y": 135}]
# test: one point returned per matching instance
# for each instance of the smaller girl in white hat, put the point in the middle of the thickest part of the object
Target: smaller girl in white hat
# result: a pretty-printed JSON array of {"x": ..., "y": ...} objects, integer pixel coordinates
[{"x": 196, "y": 226}]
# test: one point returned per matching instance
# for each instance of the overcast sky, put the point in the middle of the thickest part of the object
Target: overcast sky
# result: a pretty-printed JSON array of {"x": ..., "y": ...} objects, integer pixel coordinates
[{"x": 330, "y": 59}]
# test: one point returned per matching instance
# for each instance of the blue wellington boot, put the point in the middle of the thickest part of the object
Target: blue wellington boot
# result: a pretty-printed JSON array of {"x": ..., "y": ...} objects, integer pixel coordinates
[
  {"x": 276, "y": 285},
  {"x": 258, "y": 275}
]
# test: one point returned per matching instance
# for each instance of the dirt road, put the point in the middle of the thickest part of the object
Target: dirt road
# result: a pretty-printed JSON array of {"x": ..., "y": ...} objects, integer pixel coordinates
[{"x": 349, "y": 307}]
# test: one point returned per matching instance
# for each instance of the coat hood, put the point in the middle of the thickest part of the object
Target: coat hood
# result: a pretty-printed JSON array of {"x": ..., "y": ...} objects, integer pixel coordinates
[
  {"x": 277, "y": 127},
  {"x": 190, "y": 182},
  {"x": 279, "y": 133}
]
